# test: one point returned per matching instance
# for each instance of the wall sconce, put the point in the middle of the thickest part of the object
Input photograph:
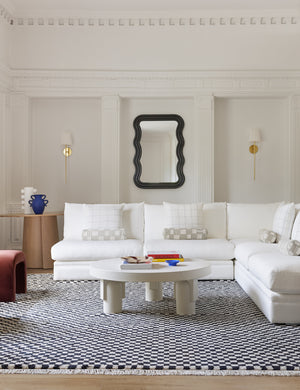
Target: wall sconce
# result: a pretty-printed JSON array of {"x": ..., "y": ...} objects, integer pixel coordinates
[
  {"x": 66, "y": 141},
  {"x": 254, "y": 139}
]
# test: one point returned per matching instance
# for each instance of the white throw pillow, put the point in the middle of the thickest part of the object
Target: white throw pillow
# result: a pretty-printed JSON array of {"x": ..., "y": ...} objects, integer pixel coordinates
[
  {"x": 296, "y": 228},
  {"x": 103, "y": 216},
  {"x": 183, "y": 215},
  {"x": 283, "y": 220}
]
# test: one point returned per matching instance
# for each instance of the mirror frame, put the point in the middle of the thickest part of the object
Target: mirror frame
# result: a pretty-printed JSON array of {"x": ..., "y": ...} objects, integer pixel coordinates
[{"x": 138, "y": 150}]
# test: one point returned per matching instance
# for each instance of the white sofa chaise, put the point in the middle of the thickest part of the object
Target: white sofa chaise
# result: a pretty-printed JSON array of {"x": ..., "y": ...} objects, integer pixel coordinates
[
  {"x": 73, "y": 255},
  {"x": 269, "y": 277}
]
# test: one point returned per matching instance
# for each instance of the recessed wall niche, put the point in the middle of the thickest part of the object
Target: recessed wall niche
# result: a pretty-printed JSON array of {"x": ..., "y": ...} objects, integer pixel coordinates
[{"x": 233, "y": 164}]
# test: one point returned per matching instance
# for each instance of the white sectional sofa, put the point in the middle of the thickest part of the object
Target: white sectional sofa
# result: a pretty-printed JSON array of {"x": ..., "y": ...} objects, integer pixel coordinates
[{"x": 233, "y": 248}]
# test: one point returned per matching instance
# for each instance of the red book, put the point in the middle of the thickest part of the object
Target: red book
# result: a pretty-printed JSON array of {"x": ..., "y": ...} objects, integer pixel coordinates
[{"x": 165, "y": 255}]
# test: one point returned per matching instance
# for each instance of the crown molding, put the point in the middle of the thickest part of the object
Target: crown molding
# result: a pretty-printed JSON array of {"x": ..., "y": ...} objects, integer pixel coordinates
[
  {"x": 183, "y": 18},
  {"x": 169, "y": 83}
]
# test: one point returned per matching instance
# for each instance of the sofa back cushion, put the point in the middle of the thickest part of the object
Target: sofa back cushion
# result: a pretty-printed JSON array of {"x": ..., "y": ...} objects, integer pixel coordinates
[
  {"x": 214, "y": 216},
  {"x": 75, "y": 220},
  {"x": 214, "y": 220},
  {"x": 245, "y": 220},
  {"x": 296, "y": 225},
  {"x": 133, "y": 220},
  {"x": 283, "y": 220}
]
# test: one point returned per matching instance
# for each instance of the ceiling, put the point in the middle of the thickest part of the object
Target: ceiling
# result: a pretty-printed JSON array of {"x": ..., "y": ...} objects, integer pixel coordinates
[{"x": 20, "y": 6}]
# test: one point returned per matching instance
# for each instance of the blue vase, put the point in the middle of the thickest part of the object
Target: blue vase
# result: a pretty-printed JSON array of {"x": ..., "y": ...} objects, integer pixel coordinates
[{"x": 38, "y": 202}]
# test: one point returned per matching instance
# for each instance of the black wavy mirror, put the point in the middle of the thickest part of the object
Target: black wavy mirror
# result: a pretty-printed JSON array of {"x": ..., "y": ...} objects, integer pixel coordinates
[{"x": 158, "y": 146}]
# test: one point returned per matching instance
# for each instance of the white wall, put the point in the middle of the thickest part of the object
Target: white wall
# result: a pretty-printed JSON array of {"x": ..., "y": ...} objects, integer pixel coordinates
[
  {"x": 234, "y": 164},
  {"x": 155, "y": 47},
  {"x": 4, "y": 41},
  {"x": 49, "y": 118},
  {"x": 223, "y": 74}
]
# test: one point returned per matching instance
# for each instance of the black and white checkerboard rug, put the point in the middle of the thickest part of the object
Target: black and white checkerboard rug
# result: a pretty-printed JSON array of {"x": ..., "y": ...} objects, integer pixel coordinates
[{"x": 59, "y": 327}]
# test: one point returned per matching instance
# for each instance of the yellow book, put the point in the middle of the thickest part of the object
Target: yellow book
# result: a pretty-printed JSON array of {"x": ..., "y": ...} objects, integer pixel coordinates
[{"x": 163, "y": 260}]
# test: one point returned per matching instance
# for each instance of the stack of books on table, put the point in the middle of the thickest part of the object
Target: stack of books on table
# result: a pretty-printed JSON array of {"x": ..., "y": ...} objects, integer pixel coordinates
[
  {"x": 133, "y": 262},
  {"x": 165, "y": 255}
]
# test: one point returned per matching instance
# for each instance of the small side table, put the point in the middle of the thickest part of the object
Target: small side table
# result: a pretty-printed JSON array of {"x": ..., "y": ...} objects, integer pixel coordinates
[{"x": 40, "y": 232}]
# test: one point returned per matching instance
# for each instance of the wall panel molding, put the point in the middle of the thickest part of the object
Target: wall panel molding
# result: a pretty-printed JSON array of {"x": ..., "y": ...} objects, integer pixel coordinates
[
  {"x": 110, "y": 150},
  {"x": 203, "y": 138},
  {"x": 294, "y": 157},
  {"x": 92, "y": 83},
  {"x": 5, "y": 78}
]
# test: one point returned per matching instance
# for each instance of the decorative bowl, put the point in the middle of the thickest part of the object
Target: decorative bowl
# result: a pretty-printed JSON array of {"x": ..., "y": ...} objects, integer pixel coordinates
[{"x": 172, "y": 262}]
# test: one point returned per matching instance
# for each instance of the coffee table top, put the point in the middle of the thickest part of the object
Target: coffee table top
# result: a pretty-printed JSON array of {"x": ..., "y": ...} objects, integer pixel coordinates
[{"x": 189, "y": 269}]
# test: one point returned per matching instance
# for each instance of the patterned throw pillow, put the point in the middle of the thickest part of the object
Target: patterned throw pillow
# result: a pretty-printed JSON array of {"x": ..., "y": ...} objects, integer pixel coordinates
[
  {"x": 103, "y": 235},
  {"x": 267, "y": 236},
  {"x": 103, "y": 216},
  {"x": 183, "y": 215},
  {"x": 283, "y": 220},
  {"x": 185, "y": 234},
  {"x": 289, "y": 247}
]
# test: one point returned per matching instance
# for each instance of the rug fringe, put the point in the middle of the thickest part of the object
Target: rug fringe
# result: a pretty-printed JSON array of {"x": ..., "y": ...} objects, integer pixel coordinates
[{"x": 155, "y": 372}]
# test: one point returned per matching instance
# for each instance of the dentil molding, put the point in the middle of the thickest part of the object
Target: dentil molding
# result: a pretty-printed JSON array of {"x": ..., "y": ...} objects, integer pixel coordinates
[
  {"x": 198, "y": 18},
  {"x": 233, "y": 21}
]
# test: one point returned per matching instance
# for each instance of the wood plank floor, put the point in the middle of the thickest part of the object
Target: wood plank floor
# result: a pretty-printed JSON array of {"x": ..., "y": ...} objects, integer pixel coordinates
[
  {"x": 99, "y": 382},
  {"x": 130, "y": 382}
]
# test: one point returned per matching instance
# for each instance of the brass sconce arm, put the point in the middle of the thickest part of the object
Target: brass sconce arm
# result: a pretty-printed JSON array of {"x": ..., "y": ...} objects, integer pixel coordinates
[
  {"x": 254, "y": 138},
  {"x": 66, "y": 141}
]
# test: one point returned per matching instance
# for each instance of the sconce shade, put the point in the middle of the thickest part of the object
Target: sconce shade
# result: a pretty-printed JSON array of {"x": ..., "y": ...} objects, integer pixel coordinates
[
  {"x": 66, "y": 138},
  {"x": 255, "y": 135}
]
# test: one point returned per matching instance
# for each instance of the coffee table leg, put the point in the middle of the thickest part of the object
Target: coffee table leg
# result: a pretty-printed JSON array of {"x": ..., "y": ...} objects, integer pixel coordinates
[
  {"x": 112, "y": 293},
  {"x": 153, "y": 291},
  {"x": 186, "y": 294}
]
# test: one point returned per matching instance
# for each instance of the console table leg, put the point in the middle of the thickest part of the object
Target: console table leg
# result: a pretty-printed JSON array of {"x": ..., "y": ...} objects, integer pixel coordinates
[
  {"x": 112, "y": 293},
  {"x": 186, "y": 296},
  {"x": 153, "y": 291}
]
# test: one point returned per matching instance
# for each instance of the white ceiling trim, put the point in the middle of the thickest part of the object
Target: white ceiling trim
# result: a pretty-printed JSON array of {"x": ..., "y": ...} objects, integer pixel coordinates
[{"x": 234, "y": 21}]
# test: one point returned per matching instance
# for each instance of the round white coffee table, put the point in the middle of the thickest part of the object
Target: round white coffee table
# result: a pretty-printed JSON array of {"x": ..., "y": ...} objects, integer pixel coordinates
[{"x": 185, "y": 275}]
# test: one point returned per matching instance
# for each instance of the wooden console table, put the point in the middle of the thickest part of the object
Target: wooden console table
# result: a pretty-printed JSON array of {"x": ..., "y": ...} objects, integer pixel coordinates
[{"x": 40, "y": 232}]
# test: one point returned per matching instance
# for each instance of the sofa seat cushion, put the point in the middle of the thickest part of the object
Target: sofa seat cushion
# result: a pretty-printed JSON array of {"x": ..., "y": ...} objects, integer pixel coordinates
[
  {"x": 280, "y": 273},
  {"x": 210, "y": 249},
  {"x": 67, "y": 250},
  {"x": 245, "y": 249}
]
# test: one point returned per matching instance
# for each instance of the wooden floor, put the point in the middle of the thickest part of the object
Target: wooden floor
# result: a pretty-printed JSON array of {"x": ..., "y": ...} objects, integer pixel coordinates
[
  {"x": 130, "y": 382},
  {"x": 99, "y": 382}
]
